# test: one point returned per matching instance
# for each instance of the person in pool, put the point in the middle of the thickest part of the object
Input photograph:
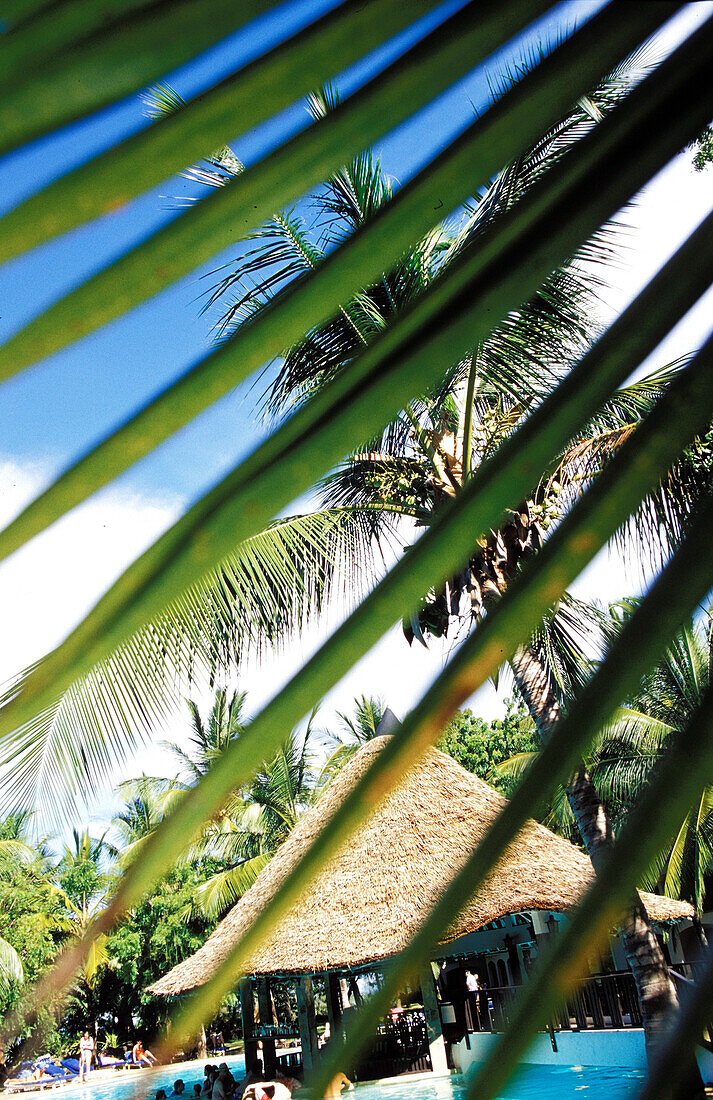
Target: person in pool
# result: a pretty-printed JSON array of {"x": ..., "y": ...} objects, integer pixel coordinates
[
  {"x": 335, "y": 1086},
  {"x": 251, "y": 1077},
  {"x": 267, "y": 1090},
  {"x": 224, "y": 1084}
]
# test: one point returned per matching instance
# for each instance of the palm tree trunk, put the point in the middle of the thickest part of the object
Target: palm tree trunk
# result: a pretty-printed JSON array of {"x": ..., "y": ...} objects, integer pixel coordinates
[
  {"x": 202, "y": 1046},
  {"x": 655, "y": 988}
]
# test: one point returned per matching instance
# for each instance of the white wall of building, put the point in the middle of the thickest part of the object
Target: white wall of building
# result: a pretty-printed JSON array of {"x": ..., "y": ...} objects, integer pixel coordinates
[
  {"x": 574, "y": 1048},
  {"x": 610, "y": 1049}
]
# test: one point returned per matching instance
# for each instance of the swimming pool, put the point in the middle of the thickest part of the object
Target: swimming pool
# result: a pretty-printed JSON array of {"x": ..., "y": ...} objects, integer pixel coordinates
[
  {"x": 142, "y": 1084},
  {"x": 543, "y": 1082}
]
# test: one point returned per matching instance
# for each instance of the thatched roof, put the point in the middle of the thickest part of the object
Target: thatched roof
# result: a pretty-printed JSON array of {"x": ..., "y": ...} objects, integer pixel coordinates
[{"x": 378, "y": 888}]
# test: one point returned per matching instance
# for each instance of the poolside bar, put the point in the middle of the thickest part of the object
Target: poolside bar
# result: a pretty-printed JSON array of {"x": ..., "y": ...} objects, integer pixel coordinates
[{"x": 363, "y": 907}]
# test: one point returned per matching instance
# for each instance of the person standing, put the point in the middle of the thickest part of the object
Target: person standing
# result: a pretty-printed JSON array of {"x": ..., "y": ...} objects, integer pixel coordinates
[
  {"x": 86, "y": 1055},
  {"x": 471, "y": 982},
  {"x": 472, "y": 985}
]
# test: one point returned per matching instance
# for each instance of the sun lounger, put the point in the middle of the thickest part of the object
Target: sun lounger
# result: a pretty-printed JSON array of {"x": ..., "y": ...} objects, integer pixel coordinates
[
  {"x": 59, "y": 1072},
  {"x": 28, "y": 1085}
]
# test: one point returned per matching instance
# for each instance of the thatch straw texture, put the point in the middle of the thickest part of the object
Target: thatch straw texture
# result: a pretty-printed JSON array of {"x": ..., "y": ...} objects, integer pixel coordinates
[{"x": 378, "y": 888}]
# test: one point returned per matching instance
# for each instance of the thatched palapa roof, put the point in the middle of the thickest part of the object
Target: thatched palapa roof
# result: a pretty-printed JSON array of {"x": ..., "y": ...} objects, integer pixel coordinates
[{"x": 377, "y": 890}]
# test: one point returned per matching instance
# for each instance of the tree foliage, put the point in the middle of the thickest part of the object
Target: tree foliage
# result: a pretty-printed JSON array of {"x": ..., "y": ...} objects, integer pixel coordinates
[
  {"x": 480, "y": 746},
  {"x": 703, "y": 149},
  {"x": 156, "y": 935},
  {"x": 30, "y": 925},
  {"x": 641, "y": 734}
]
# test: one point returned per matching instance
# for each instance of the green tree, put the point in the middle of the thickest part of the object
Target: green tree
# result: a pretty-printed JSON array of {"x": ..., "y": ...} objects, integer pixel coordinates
[
  {"x": 626, "y": 751},
  {"x": 209, "y": 739},
  {"x": 481, "y": 746},
  {"x": 162, "y": 931},
  {"x": 353, "y": 731},
  {"x": 238, "y": 842},
  {"x": 31, "y": 921},
  {"x": 703, "y": 149},
  {"x": 80, "y": 871},
  {"x": 639, "y": 737},
  {"x": 428, "y": 454},
  {"x": 242, "y": 839},
  {"x": 145, "y": 801},
  {"x": 81, "y": 887},
  {"x": 143, "y": 807}
]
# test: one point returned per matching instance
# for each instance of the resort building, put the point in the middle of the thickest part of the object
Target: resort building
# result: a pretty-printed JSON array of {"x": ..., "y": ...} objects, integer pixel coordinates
[{"x": 376, "y": 891}]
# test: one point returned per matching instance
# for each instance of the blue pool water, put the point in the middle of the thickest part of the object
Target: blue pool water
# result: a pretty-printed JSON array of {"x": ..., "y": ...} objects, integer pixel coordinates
[
  {"x": 142, "y": 1084},
  {"x": 543, "y": 1082}
]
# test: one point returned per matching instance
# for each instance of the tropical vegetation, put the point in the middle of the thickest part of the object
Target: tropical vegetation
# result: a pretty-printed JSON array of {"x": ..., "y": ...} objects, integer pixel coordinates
[
  {"x": 49, "y": 893},
  {"x": 631, "y": 745},
  {"x": 429, "y": 453},
  {"x": 394, "y": 376}
]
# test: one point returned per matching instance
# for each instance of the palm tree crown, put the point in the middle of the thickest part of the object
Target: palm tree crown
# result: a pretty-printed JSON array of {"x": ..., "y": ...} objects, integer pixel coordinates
[
  {"x": 636, "y": 740},
  {"x": 209, "y": 739}
]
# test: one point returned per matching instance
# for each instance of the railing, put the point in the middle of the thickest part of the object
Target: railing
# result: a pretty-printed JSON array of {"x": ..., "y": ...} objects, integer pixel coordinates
[
  {"x": 684, "y": 972},
  {"x": 274, "y": 1031},
  {"x": 290, "y": 1059},
  {"x": 684, "y": 976},
  {"x": 400, "y": 1046},
  {"x": 605, "y": 1001}
]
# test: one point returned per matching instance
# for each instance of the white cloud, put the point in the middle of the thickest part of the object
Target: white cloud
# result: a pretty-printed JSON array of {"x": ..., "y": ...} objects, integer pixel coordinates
[{"x": 48, "y": 586}]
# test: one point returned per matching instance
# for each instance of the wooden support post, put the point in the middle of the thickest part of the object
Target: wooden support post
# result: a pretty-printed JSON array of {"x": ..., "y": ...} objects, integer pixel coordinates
[
  {"x": 436, "y": 1044},
  {"x": 335, "y": 1004},
  {"x": 247, "y": 1014},
  {"x": 307, "y": 1022},
  {"x": 264, "y": 1006}
]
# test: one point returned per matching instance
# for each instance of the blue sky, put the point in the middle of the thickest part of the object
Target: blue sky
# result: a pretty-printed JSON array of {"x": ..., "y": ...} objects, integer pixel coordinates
[
  {"x": 49, "y": 415},
  {"x": 54, "y": 412}
]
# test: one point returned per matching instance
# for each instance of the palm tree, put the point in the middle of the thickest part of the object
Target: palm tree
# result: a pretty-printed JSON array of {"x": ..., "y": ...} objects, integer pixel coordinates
[
  {"x": 241, "y": 839},
  {"x": 210, "y": 739},
  {"x": 631, "y": 745},
  {"x": 245, "y": 835},
  {"x": 16, "y": 841},
  {"x": 81, "y": 887},
  {"x": 145, "y": 801},
  {"x": 429, "y": 452},
  {"x": 362, "y": 725},
  {"x": 12, "y": 973},
  {"x": 635, "y": 741},
  {"x": 354, "y": 731},
  {"x": 12, "y": 847}
]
